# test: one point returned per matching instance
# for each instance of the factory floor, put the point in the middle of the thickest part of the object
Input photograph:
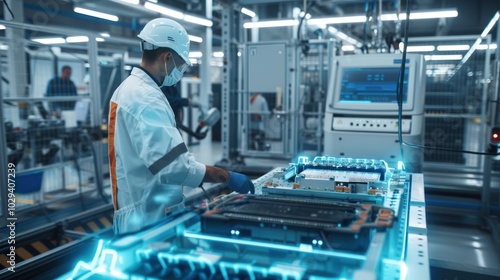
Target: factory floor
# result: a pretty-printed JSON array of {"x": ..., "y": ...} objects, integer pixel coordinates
[{"x": 460, "y": 245}]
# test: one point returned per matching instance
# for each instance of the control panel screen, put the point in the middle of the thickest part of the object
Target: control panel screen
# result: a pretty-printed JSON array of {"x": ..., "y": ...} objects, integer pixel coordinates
[{"x": 371, "y": 85}]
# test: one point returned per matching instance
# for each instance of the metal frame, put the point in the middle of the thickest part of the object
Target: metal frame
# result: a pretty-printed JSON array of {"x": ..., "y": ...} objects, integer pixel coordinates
[{"x": 94, "y": 89}]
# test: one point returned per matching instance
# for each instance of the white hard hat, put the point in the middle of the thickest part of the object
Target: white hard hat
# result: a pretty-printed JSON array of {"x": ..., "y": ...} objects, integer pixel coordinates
[{"x": 164, "y": 32}]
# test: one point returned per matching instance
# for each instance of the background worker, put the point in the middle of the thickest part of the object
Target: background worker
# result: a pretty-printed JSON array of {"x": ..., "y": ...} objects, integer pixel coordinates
[
  {"x": 149, "y": 161},
  {"x": 61, "y": 86}
]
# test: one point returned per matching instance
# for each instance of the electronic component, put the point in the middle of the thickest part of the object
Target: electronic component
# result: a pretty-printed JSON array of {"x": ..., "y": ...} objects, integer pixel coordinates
[{"x": 321, "y": 223}]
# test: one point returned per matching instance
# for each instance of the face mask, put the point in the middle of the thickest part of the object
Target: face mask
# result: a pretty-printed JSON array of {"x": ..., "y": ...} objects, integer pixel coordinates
[{"x": 174, "y": 76}]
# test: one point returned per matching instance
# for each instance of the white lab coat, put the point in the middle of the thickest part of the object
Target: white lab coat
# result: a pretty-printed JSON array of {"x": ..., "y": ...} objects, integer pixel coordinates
[{"x": 149, "y": 161}]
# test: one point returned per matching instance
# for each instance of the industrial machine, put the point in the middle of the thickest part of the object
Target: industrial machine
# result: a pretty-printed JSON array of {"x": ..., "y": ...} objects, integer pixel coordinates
[
  {"x": 321, "y": 218},
  {"x": 361, "y": 117}
]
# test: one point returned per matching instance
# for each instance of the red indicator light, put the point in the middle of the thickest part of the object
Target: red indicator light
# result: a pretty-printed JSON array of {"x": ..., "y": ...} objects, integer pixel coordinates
[{"x": 495, "y": 135}]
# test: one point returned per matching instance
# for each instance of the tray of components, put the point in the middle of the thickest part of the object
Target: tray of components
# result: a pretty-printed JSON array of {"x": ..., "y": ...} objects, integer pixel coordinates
[{"x": 320, "y": 223}]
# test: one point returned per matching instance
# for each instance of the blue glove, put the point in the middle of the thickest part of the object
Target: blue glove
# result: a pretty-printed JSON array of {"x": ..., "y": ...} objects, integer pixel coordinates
[{"x": 240, "y": 183}]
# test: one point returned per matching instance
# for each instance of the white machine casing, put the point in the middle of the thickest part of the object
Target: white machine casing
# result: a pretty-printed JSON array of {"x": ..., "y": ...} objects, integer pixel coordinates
[{"x": 370, "y": 129}]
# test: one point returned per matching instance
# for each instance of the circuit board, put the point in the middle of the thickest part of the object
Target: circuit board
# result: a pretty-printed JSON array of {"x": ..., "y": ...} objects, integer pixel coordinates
[{"x": 319, "y": 223}]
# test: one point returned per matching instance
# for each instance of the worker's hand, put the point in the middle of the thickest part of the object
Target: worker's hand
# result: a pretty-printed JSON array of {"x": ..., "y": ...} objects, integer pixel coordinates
[{"x": 240, "y": 183}]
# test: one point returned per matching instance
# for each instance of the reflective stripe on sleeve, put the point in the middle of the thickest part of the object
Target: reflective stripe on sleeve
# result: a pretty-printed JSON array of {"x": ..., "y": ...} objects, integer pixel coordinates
[{"x": 168, "y": 158}]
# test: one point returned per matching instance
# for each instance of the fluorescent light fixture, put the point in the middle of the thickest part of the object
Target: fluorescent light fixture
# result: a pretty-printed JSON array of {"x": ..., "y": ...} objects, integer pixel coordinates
[
  {"x": 105, "y": 35},
  {"x": 95, "y": 14},
  {"x": 490, "y": 25},
  {"x": 218, "y": 54},
  {"x": 134, "y": 2},
  {"x": 348, "y": 48},
  {"x": 453, "y": 48},
  {"x": 418, "y": 48},
  {"x": 443, "y": 57},
  {"x": 194, "y": 60},
  {"x": 50, "y": 41},
  {"x": 77, "y": 39},
  {"x": 163, "y": 10},
  {"x": 346, "y": 38},
  {"x": 217, "y": 63},
  {"x": 127, "y": 67},
  {"x": 195, "y": 54},
  {"x": 354, "y": 19},
  {"x": 335, "y": 32},
  {"x": 271, "y": 23},
  {"x": 248, "y": 12},
  {"x": 4, "y": 47},
  {"x": 337, "y": 20},
  {"x": 484, "y": 47},
  {"x": 198, "y": 20},
  {"x": 154, "y": 1},
  {"x": 195, "y": 39},
  {"x": 99, "y": 39},
  {"x": 422, "y": 15},
  {"x": 2, "y": 27}
]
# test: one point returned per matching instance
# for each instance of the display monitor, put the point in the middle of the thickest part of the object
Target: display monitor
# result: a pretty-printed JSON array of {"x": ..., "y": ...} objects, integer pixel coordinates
[{"x": 370, "y": 83}]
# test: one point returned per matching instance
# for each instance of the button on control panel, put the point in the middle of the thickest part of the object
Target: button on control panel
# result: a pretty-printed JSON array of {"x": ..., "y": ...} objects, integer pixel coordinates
[{"x": 370, "y": 124}]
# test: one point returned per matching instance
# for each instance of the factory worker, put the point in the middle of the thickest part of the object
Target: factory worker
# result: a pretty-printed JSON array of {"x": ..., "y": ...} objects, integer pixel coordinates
[{"x": 149, "y": 162}]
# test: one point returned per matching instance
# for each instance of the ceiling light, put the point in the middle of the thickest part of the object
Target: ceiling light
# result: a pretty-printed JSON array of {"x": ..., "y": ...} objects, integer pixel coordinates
[
  {"x": 99, "y": 39},
  {"x": 163, "y": 10},
  {"x": 198, "y": 20},
  {"x": 77, "y": 39},
  {"x": 50, "y": 41},
  {"x": 135, "y": 2},
  {"x": 95, "y": 14},
  {"x": 354, "y": 19},
  {"x": 218, "y": 54},
  {"x": 154, "y": 1},
  {"x": 348, "y": 48},
  {"x": 337, "y": 20},
  {"x": 4, "y": 47},
  {"x": 335, "y": 32},
  {"x": 271, "y": 23},
  {"x": 453, "y": 48},
  {"x": 443, "y": 57},
  {"x": 104, "y": 34},
  {"x": 422, "y": 15},
  {"x": 193, "y": 60},
  {"x": 195, "y": 39},
  {"x": 248, "y": 12},
  {"x": 484, "y": 47},
  {"x": 418, "y": 48},
  {"x": 2, "y": 27},
  {"x": 195, "y": 54},
  {"x": 490, "y": 25}
]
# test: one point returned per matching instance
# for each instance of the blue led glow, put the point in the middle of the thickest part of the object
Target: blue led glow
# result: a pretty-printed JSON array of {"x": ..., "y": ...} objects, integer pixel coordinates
[
  {"x": 320, "y": 242},
  {"x": 315, "y": 241},
  {"x": 85, "y": 266},
  {"x": 303, "y": 160},
  {"x": 104, "y": 263},
  {"x": 351, "y": 256}
]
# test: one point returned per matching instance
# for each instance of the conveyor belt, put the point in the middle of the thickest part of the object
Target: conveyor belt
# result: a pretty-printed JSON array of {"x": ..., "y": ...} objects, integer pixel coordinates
[{"x": 45, "y": 239}]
